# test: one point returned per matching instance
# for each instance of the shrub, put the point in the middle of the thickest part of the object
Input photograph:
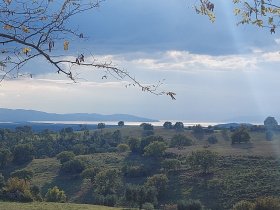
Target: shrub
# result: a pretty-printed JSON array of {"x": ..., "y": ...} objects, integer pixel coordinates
[
  {"x": 243, "y": 205},
  {"x": 23, "y": 174},
  {"x": 212, "y": 140},
  {"x": 148, "y": 206},
  {"x": 2, "y": 181},
  {"x": 18, "y": 190},
  {"x": 159, "y": 181},
  {"x": 155, "y": 149},
  {"x": 23, "y": 153},
  {"x": 267, "y": 203},
  {"x": 171, "y": 164},
  {"x": 180, "y": 141},
  {"x": 55, "y": 195},
  {"x": 65, "y": 156},
  {"x": 189, "y": 205},
  {"x": 123, "y": 148},
  {"x": 75, "y": 166},
  {"x": 203, "y": 160}
]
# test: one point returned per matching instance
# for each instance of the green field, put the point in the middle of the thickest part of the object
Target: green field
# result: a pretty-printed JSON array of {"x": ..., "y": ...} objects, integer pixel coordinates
[{"x": 51, "y": 206}]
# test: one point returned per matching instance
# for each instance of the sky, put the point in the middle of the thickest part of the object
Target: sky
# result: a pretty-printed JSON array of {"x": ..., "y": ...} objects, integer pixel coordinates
[{"x": 220, "y": 72}]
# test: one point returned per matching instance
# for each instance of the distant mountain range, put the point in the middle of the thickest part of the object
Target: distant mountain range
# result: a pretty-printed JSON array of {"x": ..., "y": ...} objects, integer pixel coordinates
[{"x": 21, "y": 115}]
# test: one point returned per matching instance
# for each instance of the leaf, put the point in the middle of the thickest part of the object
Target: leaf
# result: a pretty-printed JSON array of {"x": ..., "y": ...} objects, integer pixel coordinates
[
  {"x": 7, "y": 27},
  {"x": 66, "y": 45},
  {"x": 236, "y": 11},
  {"x": 25, "y": 29},
  {"x": 26, "y": 50}
]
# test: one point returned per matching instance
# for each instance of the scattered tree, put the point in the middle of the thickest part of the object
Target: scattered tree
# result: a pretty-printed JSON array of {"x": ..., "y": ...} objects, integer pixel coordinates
[
  {"x": 180, "y": 141},
  {"x": 240, "y": 135},
  {"x": 203, "y": 160},
  {"x": 101, "y": 126},
  {"x": 121, "y": 123},
  {"x": 270, "y": 123},
  {"x": 179, "y": 126},
  {"x": 155, "y": 149},
  {"x": 167, "y": 125},
  {"x": 65, "y": 156}
]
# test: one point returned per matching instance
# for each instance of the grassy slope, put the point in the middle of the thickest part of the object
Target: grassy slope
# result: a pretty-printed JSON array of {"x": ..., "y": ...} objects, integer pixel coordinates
[
  {"x": 244, "y": 171},
  {"x": 50, "y": 206}
]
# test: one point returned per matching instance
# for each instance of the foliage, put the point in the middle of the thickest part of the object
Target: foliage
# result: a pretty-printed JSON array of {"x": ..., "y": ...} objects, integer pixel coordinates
[
  {"x": 121, "y": 123},
  {"x": 107, "y": 182},
  {"x": 74, "y": 166},
  {"x": 90, "y": 173},
  {"x": 243, "y": 205},
  {"x": 189, "y": 205},
  {"x": 159, "y": 181},
  {"x": 5, "y": 157},
  {"x": 212, "y": 139},
  {"x": 17, "y": 190},
  {"x": 171, "y": 164},
  {"x": 55, "y": 195},
  {"x": 148, "y": 206},
  {"x": 179, "y": 126},
  {"x": 167, "y": 125},
  {"x": 270, "y": 123},
  {"x": 240, "y": 135},
  {"x": 180, "y": 141},
  {"x": 101, "y": 125},
  {"x": 155, "y": 149},
  {"x": 23, "y": 153},
  {"x": 198, "y": 131},
  {"x": 267, "y": 203},
  {"x": 23, "y": 174},
  {"x": 203, "y": 160},
  {"x": 134, "y": 144},
  {"x": 123, "y": 148},
  {"x": 2, "y": 181}
]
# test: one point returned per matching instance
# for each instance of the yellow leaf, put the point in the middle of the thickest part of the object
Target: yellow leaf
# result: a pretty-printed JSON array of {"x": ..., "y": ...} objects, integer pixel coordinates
[
  {"x": 7, "y": 27},
  {"x": 26, "y": 50},
  {"x": 25, "y": 29},
  {"x": 66, "y": 45}
]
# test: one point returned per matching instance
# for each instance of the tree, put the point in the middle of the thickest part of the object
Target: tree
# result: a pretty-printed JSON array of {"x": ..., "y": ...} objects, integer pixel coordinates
[
  {"x": 167, "y": 125},
  {"x": 134, "y": 144},
  {"x": 212, "y": 139},
  {"x": 155, "y": 149},
  {"x": 5, "y": 157},
  {"x": 198, "y": 131},
  {"x": 159, "y": 181},
  {"x": 189, "y": 205},
  {"x": 65, "y": 156},
  {"x": 2, "y": 181},
  {"x": 171, "y": 164},
  {"x": 261, "y": 13},
  {"x": 74, "y": 166},
  {"x": 180, "y": 141},
  {"x": 270, "y": 123},
  {"x": 179, "y": 126},
  {"x": 55, "y": 195},
  {"x": 23, "y": 153},
  {"x": 203, "y": 160},
  {"x": 35, "y": 29},
  {"x": 240, "y": 135},
  {"x": 123, "y": 148},
  {"x": 121, "y": 123},
  {"x": 23, "y": 174},
  {"x": 100, "y": 126}
]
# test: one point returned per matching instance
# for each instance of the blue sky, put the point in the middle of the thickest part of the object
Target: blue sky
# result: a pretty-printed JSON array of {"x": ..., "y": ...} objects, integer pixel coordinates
[{"x": 220, "y": 71}]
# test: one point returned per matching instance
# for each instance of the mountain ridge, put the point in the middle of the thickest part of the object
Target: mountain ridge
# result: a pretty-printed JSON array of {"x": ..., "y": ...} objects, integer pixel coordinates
[{"x": 23, "y": 115}]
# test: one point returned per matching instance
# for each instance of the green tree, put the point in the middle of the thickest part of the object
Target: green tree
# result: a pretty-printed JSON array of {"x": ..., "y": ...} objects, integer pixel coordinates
[
  {"x": 23, "y": 153},
  {"x": 107, "y": 181},
  {"x": 159, "y": 181},
  {"x": 212, "y": 139},
  {"x": 155, "y": 149},
  {"x": 5, "y": 157},
  {"x": 198, "y": 132},
  {"x": 134, "y": 144},
  {"x": 171, "y": 164},
  {"x": 244, "y": 205},
  {"x": 25, "y": 174},
  {"x": 123, "y": 148},
  {"x": 74, "y": 166},
  {"x": 203, "y": 160},
  {"x": 55, "y": 195},
  {"x": 240, "y": 135},
  {"x": 167, "y": 125},
  {"x": 90, "y": 173},
  {"x": 101, "y": 126},
  {"x": 179, "y": 126},
  {"x": 180, "y": 141},
  {"x": 121, "y": 123},
  {"x": 65, "y": 156},
  {"x": 2, "y": 181},
  {"x": 189, "y": 205}
]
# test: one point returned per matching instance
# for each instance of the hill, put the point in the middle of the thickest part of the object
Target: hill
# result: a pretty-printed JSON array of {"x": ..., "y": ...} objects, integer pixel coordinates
[{"x": 21, "y": 115}]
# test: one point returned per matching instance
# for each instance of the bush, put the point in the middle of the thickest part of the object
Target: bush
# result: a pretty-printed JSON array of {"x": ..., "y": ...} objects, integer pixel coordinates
[
  {"x": 123, "y": 148},
  {"x": 18, "y": 190},
  {"x": 65, "y": 156},
  {"x": 23, "y": 174},
  {"x": 148, "y": 206},
  {"x": 212, "y": 140},
  {"x": 189, "y": 205},
  {"x": 203, "y": 160},
  {"x": 159, "y": 181},
  {"x": 267, "y": 203},
  {"x": 23, "y": 153},
  {"x": 269, "y": 135},
  {"x": 243, "y": 205},
  {"x": 171, "y": 164},
  {"x": 2, "y": 181},
  {"x": 55, "y": 195},
  {"x": 180, "y": 141},
  {"x": 155, "y": 149},
  {"x": 75, "y": 166}
]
